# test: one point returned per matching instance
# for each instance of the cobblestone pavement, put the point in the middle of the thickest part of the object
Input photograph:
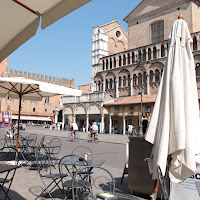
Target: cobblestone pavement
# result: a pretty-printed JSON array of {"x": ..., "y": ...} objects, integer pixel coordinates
[{"x": 111, "y": 148}]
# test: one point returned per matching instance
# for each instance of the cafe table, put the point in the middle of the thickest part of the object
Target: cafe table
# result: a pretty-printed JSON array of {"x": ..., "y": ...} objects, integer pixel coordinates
[{"x": 7, "y": 169}]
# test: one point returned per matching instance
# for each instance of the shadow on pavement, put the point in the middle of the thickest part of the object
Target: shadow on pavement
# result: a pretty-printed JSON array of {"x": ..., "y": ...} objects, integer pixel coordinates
[{"x": 12, "y": 195}]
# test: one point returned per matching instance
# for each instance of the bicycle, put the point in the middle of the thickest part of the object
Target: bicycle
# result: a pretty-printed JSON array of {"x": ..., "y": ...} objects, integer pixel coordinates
[
  {"x": 76, "y": 137},
  {"x": 93, "y": 139}
]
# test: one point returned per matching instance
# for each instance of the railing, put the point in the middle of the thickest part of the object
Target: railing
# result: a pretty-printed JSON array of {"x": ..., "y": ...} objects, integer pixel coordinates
[
  {"x": 92, "y": 97},
  {"x": 146, "y": 53}
]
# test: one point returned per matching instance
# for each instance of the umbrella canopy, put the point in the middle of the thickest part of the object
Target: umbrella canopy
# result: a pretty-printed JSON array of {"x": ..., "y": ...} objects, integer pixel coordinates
[
  {"x": 174, "y": 126},
  {"x": 32, "y": 90},
  {"x": 28, "y": 89},
  {"x": 20, "y": 19}
]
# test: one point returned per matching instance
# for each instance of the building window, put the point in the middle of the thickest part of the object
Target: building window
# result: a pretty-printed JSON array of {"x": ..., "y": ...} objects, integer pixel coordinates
[
  {"x": 103, "y": 65},
  {"x": 120, "y": 61},
  {"x": 129, "y": 61},
  {"x": 124, "y": 60},
  {"x": 147, "y": 109},
  {"x": 157, "y": 31},
  {"x": 154, "y": 53},
  {"x": 149, "y": 53},
  {"x": 134, "y": 79},
  {"x": 194, "y": 43},
  {"x": 131, "y": 110},
  {"x": 198, "y": 69},
  {"x": 116, "y": 111},
  {"x": 157, "y": 75},
  {"x": 106, "y": 64},
  {"x": 46, "y": 100},
  {"x": 151, "y": 77},
  {"x": 114, "y": 62},
  {"x": 33, "y": 109},
  {"x": 45, "y": 110},
  {"x": 110, "y": 63},
  {"x": 139, "y": 78}
]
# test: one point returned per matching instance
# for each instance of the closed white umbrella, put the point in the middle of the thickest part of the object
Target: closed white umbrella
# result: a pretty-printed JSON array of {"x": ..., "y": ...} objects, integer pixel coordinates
[
  {"x": 174, "y": 126},
  {"x": 20, "y": 19},
  {"x": 28, "y": 89}
]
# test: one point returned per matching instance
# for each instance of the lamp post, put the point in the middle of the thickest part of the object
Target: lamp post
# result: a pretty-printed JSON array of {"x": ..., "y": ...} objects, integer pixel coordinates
[{"x": 140, "y": 130}]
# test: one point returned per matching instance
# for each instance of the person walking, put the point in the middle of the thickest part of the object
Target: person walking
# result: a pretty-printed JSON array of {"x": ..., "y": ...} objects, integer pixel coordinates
[
  {"x": 74, "y": 129},
  {"x": 94, "y": 130},
  {"x": 84, "y": 126},
  {"x": 130, "y": 129}
]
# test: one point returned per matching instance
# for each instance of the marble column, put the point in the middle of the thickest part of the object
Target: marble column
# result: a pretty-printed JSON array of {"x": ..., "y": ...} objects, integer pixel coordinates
[
  {"x": 124, "y": 125},
  {"x": 102, "y": 123},
  {"x": 87, "y": 122},
  {"x": 117, "y": 88},
  {"x": 148, "y": 91},
  {"x": 104, "y": 86},
  {"x": 110, "y": 124},
  {"x": 131, "y": 85}
]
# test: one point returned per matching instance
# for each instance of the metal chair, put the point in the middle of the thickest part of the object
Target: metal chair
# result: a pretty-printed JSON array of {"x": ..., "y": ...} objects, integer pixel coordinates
[
  {"x": 83, "y": 152},
  {"x": 9, "y": 158},
  {"x": 50, "y": 177},
  {"x": 69, "y": 165},
  {"x": 94, "y": 185},
  {"x": 42, "y": 141},
  {"x": 162, "y": 183},
  {"x": 55, "y": 145}
]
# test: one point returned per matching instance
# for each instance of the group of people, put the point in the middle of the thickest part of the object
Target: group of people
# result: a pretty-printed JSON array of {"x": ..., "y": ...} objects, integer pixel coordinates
[{"x": 93, "y": 129}]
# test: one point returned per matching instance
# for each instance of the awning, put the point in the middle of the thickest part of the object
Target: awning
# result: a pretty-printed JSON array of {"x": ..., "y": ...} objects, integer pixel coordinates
[{"x": 32, "y": 118}]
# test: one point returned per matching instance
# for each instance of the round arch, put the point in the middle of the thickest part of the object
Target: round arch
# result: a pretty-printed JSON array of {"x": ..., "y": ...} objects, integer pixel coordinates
[
  {"x": 94, "y": 109},
  {"x": 80, "y": 110}
]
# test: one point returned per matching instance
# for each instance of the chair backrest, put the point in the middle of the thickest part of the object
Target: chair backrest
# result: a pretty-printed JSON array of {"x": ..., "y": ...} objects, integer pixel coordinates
[
  {"x": 32, "y": 137},
  {"x": 82, "y": 151},
  {"x": 68, "y": 166},
  {"x": 98, "y": 181},
  {"x": 56, "y": 144},
  {"x": 42, "y": 141},
  {"x": 9, "y": 155}
]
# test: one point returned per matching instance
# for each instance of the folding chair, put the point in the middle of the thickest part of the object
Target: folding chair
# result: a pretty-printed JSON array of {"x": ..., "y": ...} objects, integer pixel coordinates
[{"x": 9, "y": 163}]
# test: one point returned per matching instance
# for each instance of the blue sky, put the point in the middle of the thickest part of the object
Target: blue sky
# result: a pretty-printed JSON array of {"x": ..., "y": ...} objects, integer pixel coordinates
[{"x": 64, "y": 49}]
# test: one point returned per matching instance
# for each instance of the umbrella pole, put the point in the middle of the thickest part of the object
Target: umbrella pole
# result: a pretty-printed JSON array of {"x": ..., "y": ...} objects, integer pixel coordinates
[
  {"x": 155, "y": 190},
  {"x": 20, "y": 102}
]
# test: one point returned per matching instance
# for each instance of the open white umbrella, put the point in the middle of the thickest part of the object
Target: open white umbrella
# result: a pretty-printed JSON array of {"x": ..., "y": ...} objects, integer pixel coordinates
[
  {"x": 20, "y": 19},
  {"x": 174, "y": 126},
  {"x": 27, "y": 89}
]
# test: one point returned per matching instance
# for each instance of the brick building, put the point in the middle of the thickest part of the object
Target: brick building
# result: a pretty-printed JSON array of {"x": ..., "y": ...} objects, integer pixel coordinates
[
  {"x": 137, "y": 68},
  {"x": 37, "y": 112}
]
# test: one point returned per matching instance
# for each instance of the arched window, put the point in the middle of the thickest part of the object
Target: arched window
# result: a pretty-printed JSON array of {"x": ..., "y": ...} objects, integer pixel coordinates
[
  {"x": 129, "y": 80},
  {"x": 157, "y": 75},
  {"x": 110, "y": 63},
  {"x": 139, "y": 78},
  {"x": 151, "y": 77},
  {"x": 149, "y": 53},
  {"x": 99, "y": 85},
  {"x": 111, "y": 83},
  {"x": 106, "y": 84},
  {"x": 120, "y": 82},
  {"x": 162, "y": 50},
  {"x": 124, "y": 81},
  {"x": 144, "y": 78},
  {"x": 133, "y": 57},
  {"x": 154, "y": 52},
  {"x": 120, "y": 61},
  {"x": 194, "y": 43},
  {"x": 157, "y": 31},
  {"x": 129, "y": 61},
  {"x": 198, "y": 69},
  {"x": 114, "y": 83},
  {"x": 103, "y": 65},
  {"x": 139, "y": 55},
  {"x": 144, "y": 54},
  {"x": 124, "y": 60},
  {"x": 106, "y": 63},
  {"x": 134, "y": 79},
  {"x": 114, "y": 62}
]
